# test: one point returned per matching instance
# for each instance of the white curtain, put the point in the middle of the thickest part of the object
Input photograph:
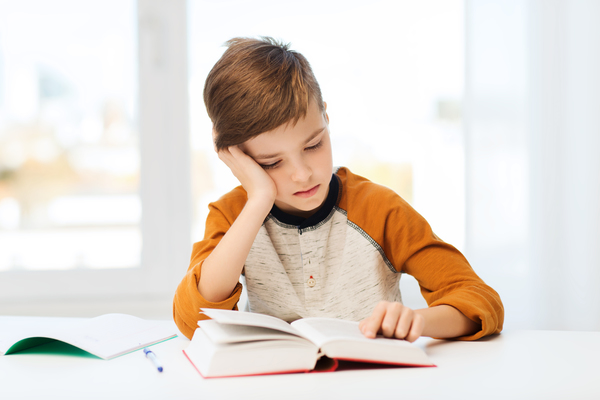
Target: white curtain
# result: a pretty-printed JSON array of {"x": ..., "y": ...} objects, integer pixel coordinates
[{"x": 532, "y": 118}]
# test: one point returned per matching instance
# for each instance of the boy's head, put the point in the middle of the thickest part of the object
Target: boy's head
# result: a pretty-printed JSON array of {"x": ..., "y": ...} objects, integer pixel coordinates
[{"x": 256, "y": 86}]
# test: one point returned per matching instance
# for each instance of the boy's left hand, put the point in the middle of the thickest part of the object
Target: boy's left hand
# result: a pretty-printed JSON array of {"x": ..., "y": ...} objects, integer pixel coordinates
[{"x": 393, "y": 320}]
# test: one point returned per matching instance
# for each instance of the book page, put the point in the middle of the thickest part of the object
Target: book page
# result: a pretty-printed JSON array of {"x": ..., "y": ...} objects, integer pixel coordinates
[
  {"x": 341, "y": 339},
  {"x": 322, "y": 330},
  {"x": 229, "y": 333},
  {"x": 250, "y": 319}
]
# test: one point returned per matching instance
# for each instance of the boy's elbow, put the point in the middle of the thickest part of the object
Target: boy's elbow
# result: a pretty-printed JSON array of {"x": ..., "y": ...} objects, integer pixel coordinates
[
  {"x": 178, "y": 317},
  {"x": 492, "y": 322}
]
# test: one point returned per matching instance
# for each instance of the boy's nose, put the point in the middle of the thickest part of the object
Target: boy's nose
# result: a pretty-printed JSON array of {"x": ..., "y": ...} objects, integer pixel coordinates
[{"x": 301, "y": 172}]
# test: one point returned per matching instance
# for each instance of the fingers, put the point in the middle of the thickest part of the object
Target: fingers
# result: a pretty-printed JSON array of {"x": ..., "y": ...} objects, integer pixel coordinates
[
  {"x": 370, "y": 325},
  {"x": 227, "y": 154},
  {"x": 396, "y": 317},
  {"x": 394, "y": 320},
  {"x": 404, "y": 323},
  {"x": 236, "y": 152},
  {"x": 416, "y": 328},
  {"x": 255, "y": 180},
  {"x": 232, "y": 156},
  {"x": 240, "y": 163}
]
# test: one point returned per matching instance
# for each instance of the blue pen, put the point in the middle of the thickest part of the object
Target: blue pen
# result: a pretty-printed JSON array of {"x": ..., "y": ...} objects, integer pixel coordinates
[{"x": 150, "y": 354}]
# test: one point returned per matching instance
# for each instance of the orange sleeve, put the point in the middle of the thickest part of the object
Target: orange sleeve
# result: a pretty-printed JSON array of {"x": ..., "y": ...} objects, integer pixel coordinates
[
  {"x": 407, "y": 240},
  {"x": 188, "y": 300}
]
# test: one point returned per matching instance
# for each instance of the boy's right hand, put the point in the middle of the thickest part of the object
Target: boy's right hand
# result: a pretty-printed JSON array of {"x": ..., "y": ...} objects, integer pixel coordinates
[
  {"x": 393, "y": 320},
  {"x": 255, "y": 180}
]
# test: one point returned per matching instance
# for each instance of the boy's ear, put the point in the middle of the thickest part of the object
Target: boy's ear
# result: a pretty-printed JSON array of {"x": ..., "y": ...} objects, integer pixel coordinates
[{"x": 325, "y": 111}]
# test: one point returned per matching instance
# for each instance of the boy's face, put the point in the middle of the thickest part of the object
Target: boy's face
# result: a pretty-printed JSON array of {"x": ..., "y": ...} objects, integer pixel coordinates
[{"x": 298, "y": 159}]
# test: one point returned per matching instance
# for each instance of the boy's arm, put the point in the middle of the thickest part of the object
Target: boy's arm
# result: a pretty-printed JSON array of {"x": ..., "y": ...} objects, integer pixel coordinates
[
  {"x": 445, "y": 321},
  {"x": 444, "y": 275},
  {"x": 461, "y": 305},
  {"x": 222, "y": 268},
  {"x": 447, "y": 279},
  {"x": 212, "y": 280},
  {"x": 188, "y": 300},
  {"x": 393, "y": 319}
]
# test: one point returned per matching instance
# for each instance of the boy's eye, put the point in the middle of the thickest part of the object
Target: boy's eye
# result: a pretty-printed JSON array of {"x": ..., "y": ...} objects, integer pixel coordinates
[
  {"x": 316, "y": 146},
  {"x": 276, "y": 164},
  {"x": 269, "y": 166}
]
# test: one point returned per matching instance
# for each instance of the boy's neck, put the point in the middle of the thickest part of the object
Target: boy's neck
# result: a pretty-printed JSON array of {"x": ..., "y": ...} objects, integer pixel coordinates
[{"x": 313, "y": 217}]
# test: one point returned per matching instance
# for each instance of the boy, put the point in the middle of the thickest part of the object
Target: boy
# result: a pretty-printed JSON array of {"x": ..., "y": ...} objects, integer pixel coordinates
[{"x": 311, "y": 240}]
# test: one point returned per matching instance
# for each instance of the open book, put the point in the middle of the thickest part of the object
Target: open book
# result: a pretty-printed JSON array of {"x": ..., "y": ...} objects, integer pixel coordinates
[
  {"x": 235, "y": 343},
  {"x": 106, "y": 336}
]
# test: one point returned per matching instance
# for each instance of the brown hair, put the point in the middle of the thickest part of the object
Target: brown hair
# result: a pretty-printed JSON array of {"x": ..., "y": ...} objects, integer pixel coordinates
[{"x": 256, "y": 86}]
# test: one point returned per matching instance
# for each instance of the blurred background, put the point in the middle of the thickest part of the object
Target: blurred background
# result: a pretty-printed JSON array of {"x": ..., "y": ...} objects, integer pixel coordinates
[{"x": 484, "y": 115}]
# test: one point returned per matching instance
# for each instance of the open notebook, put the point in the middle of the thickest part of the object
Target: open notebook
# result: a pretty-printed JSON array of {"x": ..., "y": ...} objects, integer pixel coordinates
[{"x": 106, "y": 336}]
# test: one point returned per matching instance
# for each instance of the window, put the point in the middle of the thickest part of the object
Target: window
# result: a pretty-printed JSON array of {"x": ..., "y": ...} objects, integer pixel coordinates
[
  {"x": 69, "y": 154},
  {"x": 89, "y": 209}
]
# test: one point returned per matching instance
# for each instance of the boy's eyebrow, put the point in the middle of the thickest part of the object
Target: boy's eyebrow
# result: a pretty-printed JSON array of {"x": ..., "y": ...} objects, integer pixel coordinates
[{"x": 311, "y": 137}]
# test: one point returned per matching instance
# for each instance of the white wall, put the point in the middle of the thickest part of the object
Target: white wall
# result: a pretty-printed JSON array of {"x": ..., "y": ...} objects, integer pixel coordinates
[
  {"x": 533, "y": 174},
  {"x": 565, "y": 163}
]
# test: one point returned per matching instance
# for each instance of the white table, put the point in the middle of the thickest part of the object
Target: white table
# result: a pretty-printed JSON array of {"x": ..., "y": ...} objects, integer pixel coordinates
[{"x": 513, "y": 365}]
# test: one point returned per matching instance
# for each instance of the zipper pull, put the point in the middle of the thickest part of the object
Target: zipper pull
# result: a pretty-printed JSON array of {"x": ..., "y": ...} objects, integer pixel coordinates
[{"x": 299, "y": 230}]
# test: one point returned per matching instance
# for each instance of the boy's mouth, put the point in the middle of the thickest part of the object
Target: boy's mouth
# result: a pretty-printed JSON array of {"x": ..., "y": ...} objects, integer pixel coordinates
[{"x": 308, "y": 193}]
